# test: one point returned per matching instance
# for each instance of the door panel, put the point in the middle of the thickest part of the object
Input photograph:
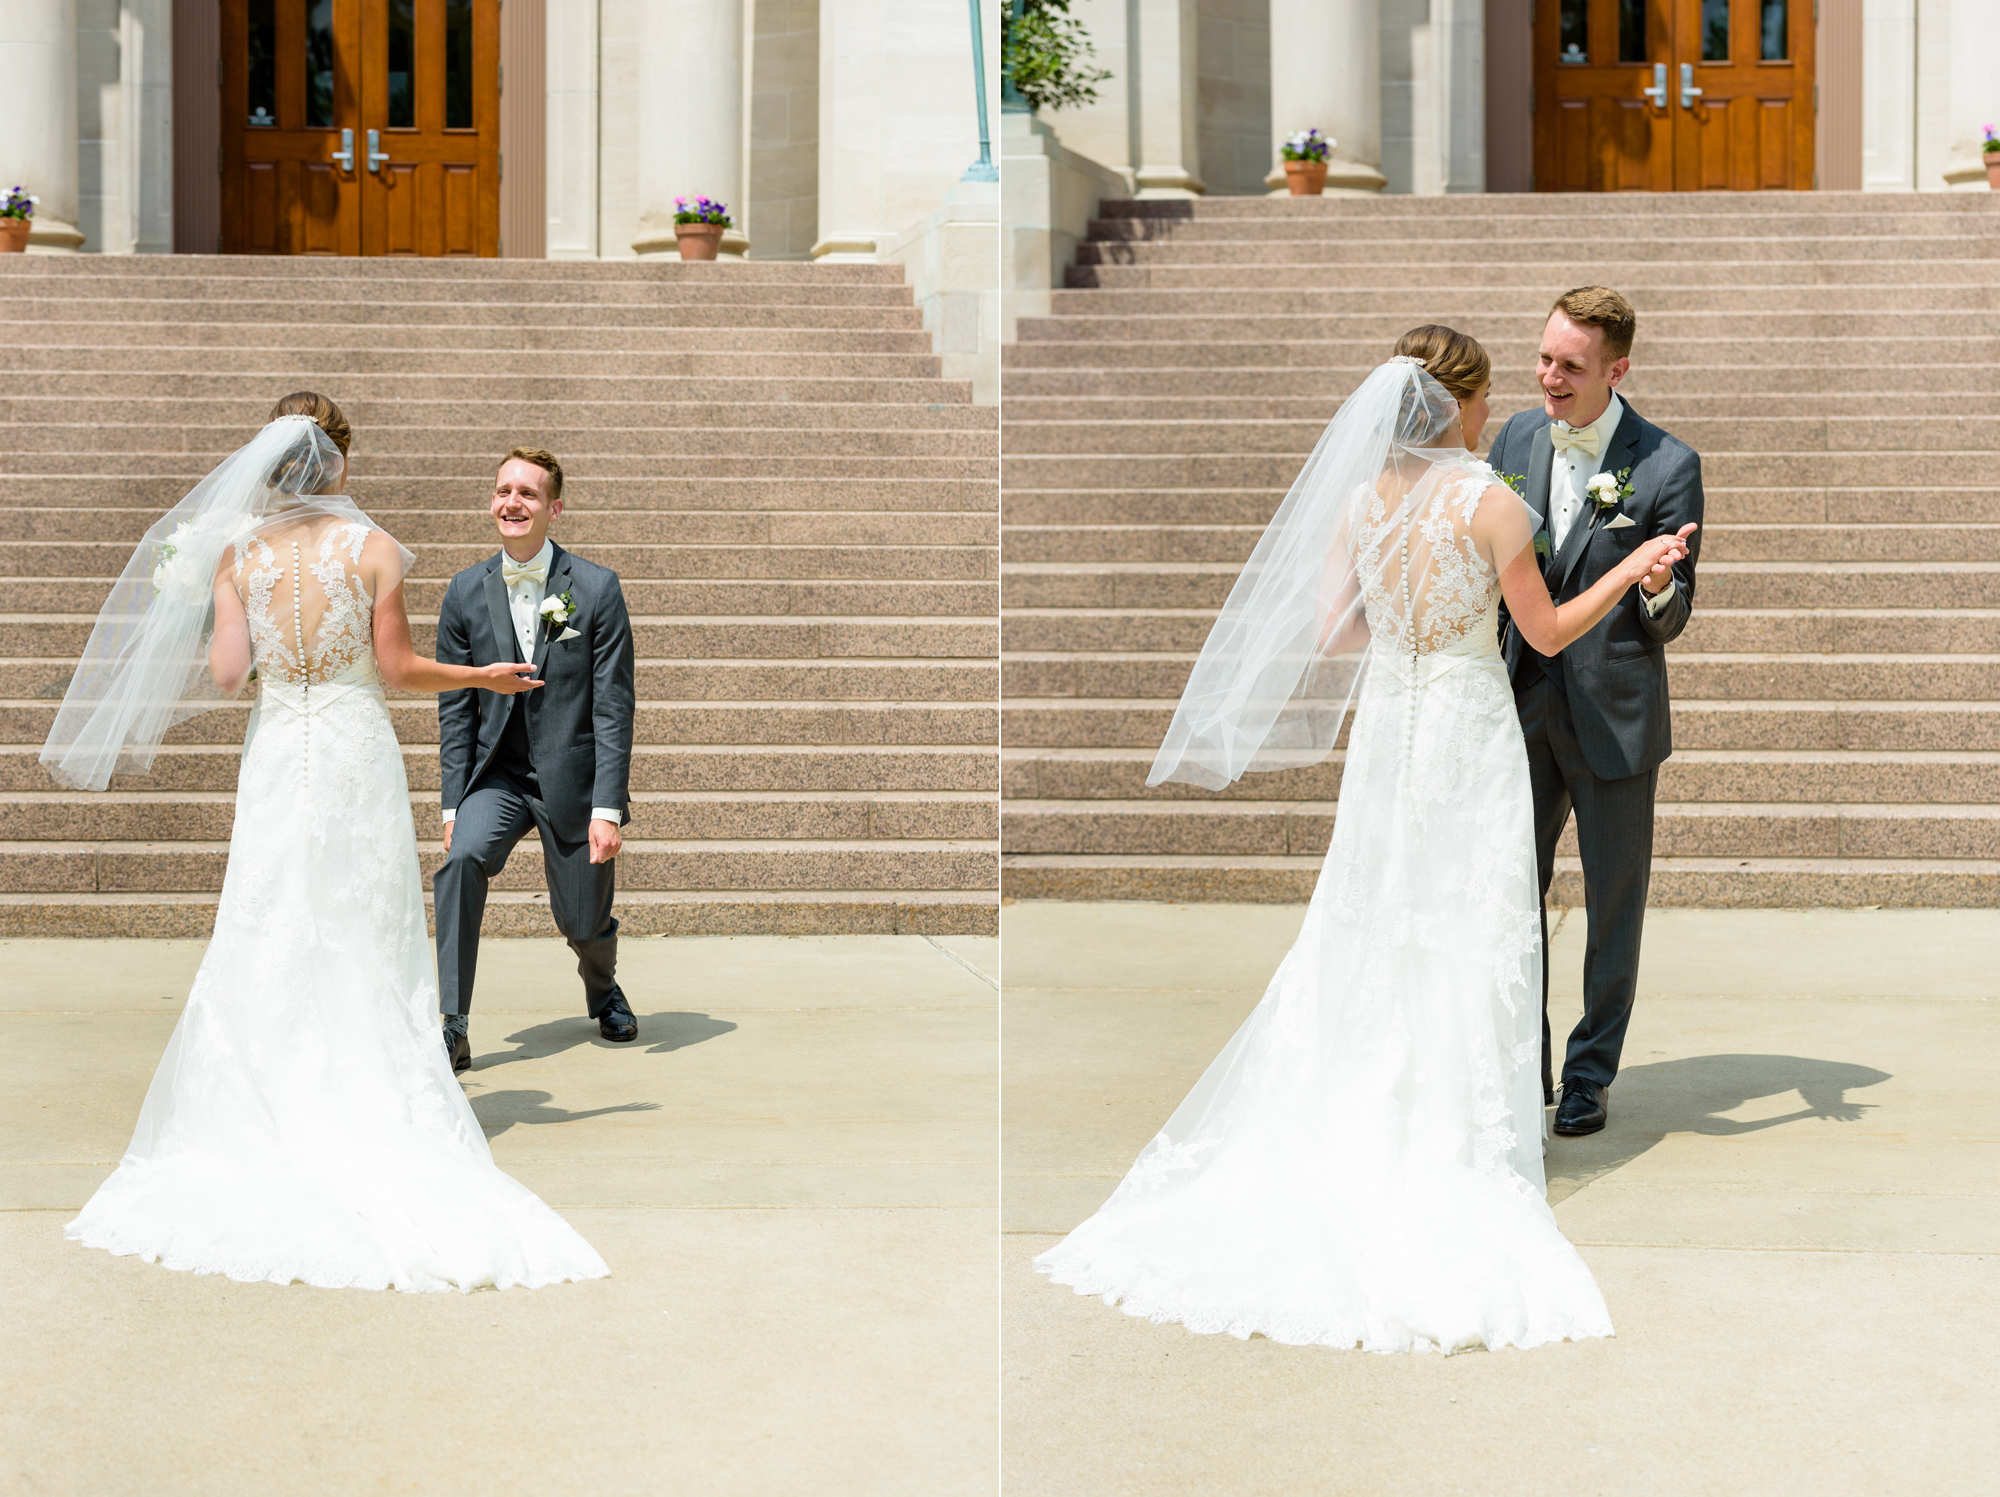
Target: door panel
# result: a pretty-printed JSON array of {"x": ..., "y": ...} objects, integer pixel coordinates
[
  {"x": 1659, "y": 95},
  {"x": 438, "y": 63},
  {"x": 1749, "y": 124},
  {"x": 281, "y": 192},
  {"x": 1595, "y": 130},
  {"x": 424, "y": 75}
]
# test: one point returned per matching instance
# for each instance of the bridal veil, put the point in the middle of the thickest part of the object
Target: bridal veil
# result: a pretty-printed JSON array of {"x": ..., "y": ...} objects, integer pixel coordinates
[
  {"x": 145, "y": 667},
  {"x": 1286, "y": 656}
]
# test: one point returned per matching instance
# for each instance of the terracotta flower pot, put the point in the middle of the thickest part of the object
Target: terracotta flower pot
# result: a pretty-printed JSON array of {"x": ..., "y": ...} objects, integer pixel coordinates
[
  {"x": 1306, "y": 179},
  {"x": 698, "y": 241},
  {"x": 14, "y": 235},
  {"x": 1992, "y": 159}
]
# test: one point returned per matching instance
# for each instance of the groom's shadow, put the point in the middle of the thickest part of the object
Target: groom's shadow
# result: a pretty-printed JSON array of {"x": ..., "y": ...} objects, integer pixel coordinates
[
  {"x": 658, "y": 1035},
  {"x": 498, "y": 1111},
  {"x": 1690, "y": 1096}
]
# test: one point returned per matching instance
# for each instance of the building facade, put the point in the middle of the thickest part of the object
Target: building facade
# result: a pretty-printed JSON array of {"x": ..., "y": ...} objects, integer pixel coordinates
[
  {"x": 844, "y": 130},
  {"x": 1436, "y": 96}
]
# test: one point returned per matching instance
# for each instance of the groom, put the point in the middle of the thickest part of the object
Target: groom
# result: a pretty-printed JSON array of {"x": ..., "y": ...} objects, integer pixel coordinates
[
  {"x": 557, "y": 759},
  {"x": 1600, "y": 479}
]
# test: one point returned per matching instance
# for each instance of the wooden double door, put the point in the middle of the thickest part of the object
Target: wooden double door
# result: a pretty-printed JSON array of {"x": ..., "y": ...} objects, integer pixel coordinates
[
  {"x": 360, "y": 127},
  {"x": 1673, "y": 95}
]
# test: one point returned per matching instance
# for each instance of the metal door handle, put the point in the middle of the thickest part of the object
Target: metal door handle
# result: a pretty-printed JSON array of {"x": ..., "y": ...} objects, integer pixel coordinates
[
  {"x": 1658, "y": 92},
  {"x": 376, "y": 155},
  {"x": 1689, "y": 93},
  {"x": 344, "y": 157}
]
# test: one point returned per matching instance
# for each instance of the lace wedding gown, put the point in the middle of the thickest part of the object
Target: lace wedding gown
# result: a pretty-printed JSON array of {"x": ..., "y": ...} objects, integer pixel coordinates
[
  {"x": 1362, "y": 1166},
  {"x": 304, "y": 1122}
]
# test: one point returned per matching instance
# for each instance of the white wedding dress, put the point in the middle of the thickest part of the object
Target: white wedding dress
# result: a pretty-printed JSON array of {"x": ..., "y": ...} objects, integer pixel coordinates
[
  {"x": 304, "y": 1123},
  {"x": 1362, "y": 1165}
]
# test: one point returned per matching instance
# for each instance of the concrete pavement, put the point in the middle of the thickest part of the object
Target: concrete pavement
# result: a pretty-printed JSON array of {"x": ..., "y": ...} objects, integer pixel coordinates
[
  {"x": 1794, "y": 1215},
  {"x": 790, "y": 1174}
]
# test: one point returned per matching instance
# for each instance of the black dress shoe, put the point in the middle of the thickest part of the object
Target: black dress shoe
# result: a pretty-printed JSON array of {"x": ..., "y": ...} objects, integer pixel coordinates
[
  {"x": 1582, "y": 1110},
  {"x": 457, "y": 1044},
  {"x": 615, "y": 1021}
]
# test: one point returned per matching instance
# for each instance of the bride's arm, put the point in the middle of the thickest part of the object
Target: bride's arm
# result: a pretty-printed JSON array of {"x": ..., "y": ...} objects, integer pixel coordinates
[
  {"x": 401, "y": 666},
  {"x": 1549, "y": 627},
  {"x": 229, "y": 646}
]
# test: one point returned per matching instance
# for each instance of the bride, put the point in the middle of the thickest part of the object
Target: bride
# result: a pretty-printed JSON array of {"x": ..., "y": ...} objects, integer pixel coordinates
[
  {"x": 303, "y": 1123},
  {"x": 1362, "y": 1165}
]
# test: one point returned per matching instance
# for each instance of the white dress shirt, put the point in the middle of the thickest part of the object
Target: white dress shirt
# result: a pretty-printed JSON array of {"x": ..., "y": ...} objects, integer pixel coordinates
[
  {"x": 524, "y": 602},
  {"x": 1570, "y": 470}
]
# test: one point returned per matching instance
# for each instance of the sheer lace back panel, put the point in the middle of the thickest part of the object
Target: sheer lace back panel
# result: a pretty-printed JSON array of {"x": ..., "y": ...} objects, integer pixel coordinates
[
  {"x": 311, "y": 618},
  {"x": 1425, "y": 584}
]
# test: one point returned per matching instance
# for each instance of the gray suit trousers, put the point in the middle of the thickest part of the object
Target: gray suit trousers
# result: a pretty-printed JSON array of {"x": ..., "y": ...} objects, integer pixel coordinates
[
  {"x": 1614, "y": 833},
  {"x": 495, "y": 815}
]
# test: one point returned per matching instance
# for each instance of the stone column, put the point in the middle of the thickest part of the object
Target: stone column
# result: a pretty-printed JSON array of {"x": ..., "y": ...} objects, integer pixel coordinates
[
  {"x": 853, "y": 80},
  {"x": 1165, "y": 122},
  {"x": 38, "y": 114},
  {"x": 690, "y": 118},
  {"x": 1326, "y": 71}
]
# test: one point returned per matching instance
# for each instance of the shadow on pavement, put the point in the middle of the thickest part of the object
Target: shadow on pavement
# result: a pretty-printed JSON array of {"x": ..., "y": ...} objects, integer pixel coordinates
[
  {"x": 658, "y": 1033},
  {"x": 1691, "y": 1095},
  {"x": 499, "y": 1111}
]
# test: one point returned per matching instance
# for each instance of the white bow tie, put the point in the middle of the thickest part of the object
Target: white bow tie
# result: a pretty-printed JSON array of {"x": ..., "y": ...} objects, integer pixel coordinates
[
  {"x": 1565, "y": 436},
  {"x": 512, "y": 571}
]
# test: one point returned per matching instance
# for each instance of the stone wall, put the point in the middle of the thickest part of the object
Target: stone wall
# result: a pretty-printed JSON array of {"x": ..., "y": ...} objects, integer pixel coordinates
[
  {"x": 1233, "y": 94},
  {"x": 783, "y": 208}
]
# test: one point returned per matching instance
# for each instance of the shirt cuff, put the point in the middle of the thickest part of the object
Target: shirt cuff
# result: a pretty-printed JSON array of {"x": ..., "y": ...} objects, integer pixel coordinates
[
  {"x": 1656, "y": 601},
  {"x": 606, "y": 813},
  {"x": 450, "y": 815}
]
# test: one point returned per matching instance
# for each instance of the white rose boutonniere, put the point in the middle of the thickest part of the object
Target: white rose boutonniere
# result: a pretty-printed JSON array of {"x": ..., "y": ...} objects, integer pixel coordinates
[
  {"x": 561, "y": 610},
  {"x": 1606, "y": 490}
]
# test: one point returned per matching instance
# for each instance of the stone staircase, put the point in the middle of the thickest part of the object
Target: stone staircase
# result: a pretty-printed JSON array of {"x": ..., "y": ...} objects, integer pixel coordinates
[
  {"x": 1835, "y": 357},
  {"x": 801, "y": 510}
]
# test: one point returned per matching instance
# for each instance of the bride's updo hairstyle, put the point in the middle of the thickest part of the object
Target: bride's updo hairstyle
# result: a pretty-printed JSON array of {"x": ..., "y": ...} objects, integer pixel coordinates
[
  {"x": 310, "y": 472},
  {"x": 1450, "y": 357},
  {"x": 323, "y": 411}
]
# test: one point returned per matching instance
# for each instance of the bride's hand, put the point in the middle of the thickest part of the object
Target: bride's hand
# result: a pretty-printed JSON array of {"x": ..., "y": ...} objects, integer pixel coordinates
[
  {"x": 1657, "y": 554},
  {"x": 509, "y": 678}
]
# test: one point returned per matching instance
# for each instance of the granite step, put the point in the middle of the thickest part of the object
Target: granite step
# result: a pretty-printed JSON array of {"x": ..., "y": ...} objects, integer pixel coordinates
[
  {"x": 830, "y": 725},
  {"x": 1966, "y": 726},
  {"x": 802, "y": 512},
  {"x": 1719, "y": 829},
  {"x": 1689, "y": 775},
  {"x": 701, "y": 767},
  {"x": 509, "y": 912},
  {"x": 738, "y": 864},
  {"x": 1713, "y": 883},
  {"x": 183, "y": 815}
]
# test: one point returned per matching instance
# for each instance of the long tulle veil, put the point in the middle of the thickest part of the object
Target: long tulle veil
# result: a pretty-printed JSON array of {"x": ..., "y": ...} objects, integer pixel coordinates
[
  {"x": 145, "y": 667},
  {"x": 1288, "y": 652}
]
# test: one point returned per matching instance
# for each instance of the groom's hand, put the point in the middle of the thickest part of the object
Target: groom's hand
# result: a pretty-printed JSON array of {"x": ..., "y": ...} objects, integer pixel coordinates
[
  {"x": 605, "y": 840},
  {"x": 1663, "y": 573}
]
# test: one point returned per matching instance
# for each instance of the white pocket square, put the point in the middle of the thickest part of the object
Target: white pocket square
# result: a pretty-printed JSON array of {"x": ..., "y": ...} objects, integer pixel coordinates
[
  {"x": 578, "y": 634},
  {"x": 1619, "y": 522}
]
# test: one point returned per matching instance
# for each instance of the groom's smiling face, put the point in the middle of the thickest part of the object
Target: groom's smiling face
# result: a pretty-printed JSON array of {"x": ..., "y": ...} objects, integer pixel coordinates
[
  {"x": 1576, "y": 371},
  {"x": 522, "y": 508}
]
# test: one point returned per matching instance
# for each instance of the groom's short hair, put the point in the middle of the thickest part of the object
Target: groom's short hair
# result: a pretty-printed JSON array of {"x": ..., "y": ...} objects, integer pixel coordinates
[
  {"x": 1604, "y": 309},
  {"x": 542, "y": 458}
]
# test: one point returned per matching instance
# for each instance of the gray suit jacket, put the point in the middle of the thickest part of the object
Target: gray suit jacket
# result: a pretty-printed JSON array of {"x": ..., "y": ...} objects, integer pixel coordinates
[
  {"x": 1615, "y": 677},
  {"x": 579, "y": 720}
]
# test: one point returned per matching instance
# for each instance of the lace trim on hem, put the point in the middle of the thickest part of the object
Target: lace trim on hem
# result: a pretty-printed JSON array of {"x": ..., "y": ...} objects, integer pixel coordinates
[
  {"x": 1341, "y": 1335},
  {"x": 271, "y": 1271}
]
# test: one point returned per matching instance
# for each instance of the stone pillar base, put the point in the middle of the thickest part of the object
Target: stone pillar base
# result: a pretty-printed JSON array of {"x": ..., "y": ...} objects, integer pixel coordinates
[
  {"x": 846, "y": 249},
  {"x": 51, "y": 236},
  {"x": 1172, "y": 182},
  {"x": 1344, "y": 179}
]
